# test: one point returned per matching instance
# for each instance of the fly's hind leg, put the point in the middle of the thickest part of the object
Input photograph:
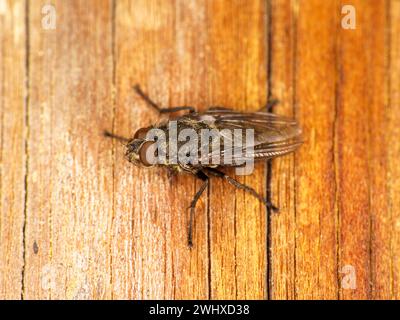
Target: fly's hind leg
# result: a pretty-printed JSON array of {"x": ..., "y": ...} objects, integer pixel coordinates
[
  {"x": 201, "y": 175},
  {"x": 270, "y": 104},
  {"x": 154, "y": 105},
  {"x": 242, "y": 186}
]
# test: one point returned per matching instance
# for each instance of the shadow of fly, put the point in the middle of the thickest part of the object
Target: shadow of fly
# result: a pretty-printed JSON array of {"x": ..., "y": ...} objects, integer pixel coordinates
[{"x": 237, "y": 140}]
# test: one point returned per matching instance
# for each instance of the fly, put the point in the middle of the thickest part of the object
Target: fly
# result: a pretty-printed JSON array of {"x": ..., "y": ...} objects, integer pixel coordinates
[{"x": 242, "y": 137}]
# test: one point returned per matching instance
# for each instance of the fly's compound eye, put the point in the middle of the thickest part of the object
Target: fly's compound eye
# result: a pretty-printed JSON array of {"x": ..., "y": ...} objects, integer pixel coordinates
[
  {"x": 141, "y": 133},
  {"x": 148, "y": 153}
]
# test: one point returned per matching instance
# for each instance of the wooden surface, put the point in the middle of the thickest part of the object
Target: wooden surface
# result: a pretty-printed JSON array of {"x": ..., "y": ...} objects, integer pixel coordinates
[{"x": 77, "y": 221}]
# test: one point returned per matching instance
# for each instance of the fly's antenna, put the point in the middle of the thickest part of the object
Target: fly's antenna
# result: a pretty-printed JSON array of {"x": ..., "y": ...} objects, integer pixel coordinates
[{"x": 122, "y": 140}]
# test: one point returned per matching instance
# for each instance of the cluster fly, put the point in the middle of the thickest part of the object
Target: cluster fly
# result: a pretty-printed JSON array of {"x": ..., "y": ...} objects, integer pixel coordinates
[{"x": 271, "y": 136}]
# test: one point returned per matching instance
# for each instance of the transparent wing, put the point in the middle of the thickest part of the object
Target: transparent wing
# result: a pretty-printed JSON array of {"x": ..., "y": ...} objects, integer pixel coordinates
[{"x": 274, "y": 135}]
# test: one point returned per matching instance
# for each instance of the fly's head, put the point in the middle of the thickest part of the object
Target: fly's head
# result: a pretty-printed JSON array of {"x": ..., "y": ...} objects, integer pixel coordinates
[{"x": 136, "y": 149}]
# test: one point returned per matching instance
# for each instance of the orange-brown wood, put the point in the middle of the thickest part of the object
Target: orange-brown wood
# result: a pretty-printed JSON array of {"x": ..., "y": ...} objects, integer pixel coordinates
[
  {"x": 237, "y": 72},
  {"x": 12, "y": 146},
  {"x": 78, "y": 221},
  {"x": 361, "y": 165},
  {"x": 157, "y": 45},
  {"x": 281, "y": 267},
  {"x": 393, "y": 145},
  {"x": 315, "y": 189},
  {"x": 178, "y": 65},
  {"x": 69, "y": 185}
]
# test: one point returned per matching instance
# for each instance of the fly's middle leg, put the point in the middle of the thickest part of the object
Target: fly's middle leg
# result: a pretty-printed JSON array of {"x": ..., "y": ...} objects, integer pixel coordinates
[
  {"x": 154, "y": 105},
  {"x": 242, "y": 186},
  {"x": 201, "y": 175}
]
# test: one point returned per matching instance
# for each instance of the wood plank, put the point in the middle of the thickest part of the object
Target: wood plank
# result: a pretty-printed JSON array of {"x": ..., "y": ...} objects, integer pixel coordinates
[
  {"x": 87, "y": 224},
  {"x": 281, "y": 273},
  {"x": 393, "y": 145},
  {"x": 376, "y": 96},
  {"x": 160, "y": 47},
  {"x": 317, "y": 280},
  {"x": 173, "y": 64},
  {"x": 359, "y": 119},
  {"x": 69, "y": 197},
  {"x": 12, "y": 149},
  {"x": 309, "y": 202},
  {"x": 238, "y": 79}
]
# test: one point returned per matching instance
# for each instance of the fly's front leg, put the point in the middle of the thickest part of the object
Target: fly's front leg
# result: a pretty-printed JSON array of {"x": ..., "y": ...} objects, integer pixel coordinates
[
  {"x": 154, "y": 105},
  {"x": 242, "y": 186},
  {"x": 201, "y": 175}
]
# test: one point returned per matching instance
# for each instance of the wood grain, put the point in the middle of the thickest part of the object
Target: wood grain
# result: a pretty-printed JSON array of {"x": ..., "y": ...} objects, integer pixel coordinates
[
  {"x": 238, "y": 79},
  {"x": 360, "y": 160},
  {"x": 393, "y": 146},
  {"x": 177, "y": 65},
  {"x": 156, "y": 49},
  {"x": 69, "y": 185},
  {"x": 12, "y": 149},
  {"x": 315, "y": 217},
  {"x": 281, "y": 268},
  {"x": 77, "y": 221}
]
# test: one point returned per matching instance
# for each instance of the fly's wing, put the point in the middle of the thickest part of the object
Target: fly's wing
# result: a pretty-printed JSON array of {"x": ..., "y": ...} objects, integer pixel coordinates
[{"x": 274, "y": 135}]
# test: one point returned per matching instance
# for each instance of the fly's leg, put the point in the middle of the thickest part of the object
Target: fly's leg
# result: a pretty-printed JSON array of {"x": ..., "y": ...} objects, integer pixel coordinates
[
  {"x": 242, "y": 186},
  {"x": 201, "y": 175},
  {"x": 160, "y": 110},
  {"x": 171, "y": 174},
  {"x": 270, "y": 104}
]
